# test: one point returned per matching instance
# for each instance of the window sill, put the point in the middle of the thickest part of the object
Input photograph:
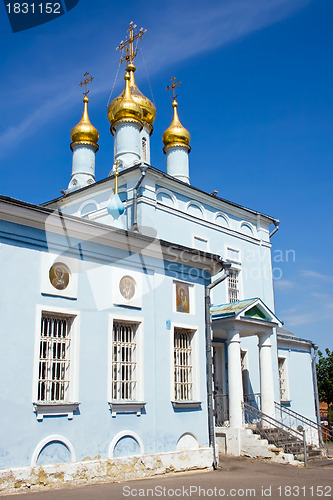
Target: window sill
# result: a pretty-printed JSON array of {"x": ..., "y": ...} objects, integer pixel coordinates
[
  {"x": 126, "y": 407},
  {"x": 55, "y": 410},
  {"x": 186, "y": 404}
]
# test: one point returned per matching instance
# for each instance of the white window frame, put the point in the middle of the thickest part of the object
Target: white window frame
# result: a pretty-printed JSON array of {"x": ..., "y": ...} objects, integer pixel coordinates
[
  {"x": 234, "y": 270},
  {"x": 236, "y": 265},
  {"x": 71, "y": 403},
  {"x": 286, "y": 395},
  {"x": 128, "y": 406},
  {"x": 194, "y": 402}
]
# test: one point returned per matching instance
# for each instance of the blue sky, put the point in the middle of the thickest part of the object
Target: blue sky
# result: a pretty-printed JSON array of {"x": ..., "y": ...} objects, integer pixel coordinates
[{"x": 256, "y": 96}]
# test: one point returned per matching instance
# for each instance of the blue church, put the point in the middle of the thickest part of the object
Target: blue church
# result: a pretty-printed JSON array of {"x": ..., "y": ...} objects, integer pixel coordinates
[{"x": 138, "y": 335}]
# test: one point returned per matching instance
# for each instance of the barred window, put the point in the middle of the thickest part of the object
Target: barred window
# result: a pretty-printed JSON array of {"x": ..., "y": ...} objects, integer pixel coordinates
[
  {"x": 283, "y": 379},
  {"x": 54, "y": 358},
  {"x": 144, "y": 149},
  {"x": 124, "y": 361},
  {"x": 233, "y": 291},
  {"x": 183, "y": 365}
]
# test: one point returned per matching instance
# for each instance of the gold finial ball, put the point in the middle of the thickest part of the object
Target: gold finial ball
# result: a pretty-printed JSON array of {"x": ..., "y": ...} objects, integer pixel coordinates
[
  {"x": 176, "y": 133},
  {"x": 84, "y": 131}
]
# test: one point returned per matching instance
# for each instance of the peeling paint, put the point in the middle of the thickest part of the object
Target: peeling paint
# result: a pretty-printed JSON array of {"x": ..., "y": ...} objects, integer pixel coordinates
[{"x": 102, "y": 470}]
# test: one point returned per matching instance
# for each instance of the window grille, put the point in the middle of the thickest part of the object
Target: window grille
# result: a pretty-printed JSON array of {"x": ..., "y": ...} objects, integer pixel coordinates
[
  {"x": 283, "y": 382},
  {"x": 124, "y": 362},
  {"x": 144, "y": 149},
  {"x": 183, "y": 368},
  {"x": 54, "y": 359},
  {"x": 233, "y": 291}
]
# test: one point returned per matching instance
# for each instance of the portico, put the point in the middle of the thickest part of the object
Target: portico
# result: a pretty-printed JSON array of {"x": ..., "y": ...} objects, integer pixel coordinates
[{"x": 231, "y": 323}]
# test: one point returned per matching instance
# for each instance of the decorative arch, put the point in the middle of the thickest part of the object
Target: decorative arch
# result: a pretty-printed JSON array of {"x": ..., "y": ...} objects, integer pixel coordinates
[
  {"x": 196, "y": 209},
  {"x": 222, "y": 219},
  {"x": 166, "y": 197},
  {"x": 247, "y": 228},
  {"x": 84, "y": 210},
  {"x": 121, "y": 435},
  {"x": 57, "y": 438},
  {"x": 187, "y": 441}
]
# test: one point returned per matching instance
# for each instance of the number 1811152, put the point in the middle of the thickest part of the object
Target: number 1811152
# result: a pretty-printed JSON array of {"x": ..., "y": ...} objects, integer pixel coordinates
[{"x": 34, "y": 8}]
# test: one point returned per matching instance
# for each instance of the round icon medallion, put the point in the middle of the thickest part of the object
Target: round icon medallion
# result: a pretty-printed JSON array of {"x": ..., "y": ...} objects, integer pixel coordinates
[
  {"x": 127, "y": 287},
  {"x": 59, "y": 276}
]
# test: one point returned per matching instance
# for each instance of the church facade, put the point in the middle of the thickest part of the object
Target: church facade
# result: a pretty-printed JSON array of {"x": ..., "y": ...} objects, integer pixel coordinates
[{"x": 140, "y": 316}]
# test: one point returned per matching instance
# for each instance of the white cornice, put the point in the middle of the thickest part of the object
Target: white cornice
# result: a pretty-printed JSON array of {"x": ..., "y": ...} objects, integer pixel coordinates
[
  {"x": 174, "y": 185},
  {"x": 70, "y": 226}
]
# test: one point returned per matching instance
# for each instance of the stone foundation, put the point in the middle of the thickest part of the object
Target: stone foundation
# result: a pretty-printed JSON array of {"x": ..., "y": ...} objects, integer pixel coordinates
[{"x": 103, "y": 470}]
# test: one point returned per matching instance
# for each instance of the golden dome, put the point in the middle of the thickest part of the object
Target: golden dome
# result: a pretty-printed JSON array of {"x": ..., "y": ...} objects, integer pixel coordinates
[
  {"x": 148, "y": 108},
  {"x": 84, "y": 132},
  {"x": 176, "y": 134},
  {"x": 124, "y": 107}
]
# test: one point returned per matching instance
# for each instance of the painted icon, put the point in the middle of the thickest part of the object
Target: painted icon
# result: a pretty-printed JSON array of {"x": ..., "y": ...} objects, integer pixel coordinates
[
  {"x": 182, "y": 298},
  {"x": 127, "y": 287},
  {"x": 59, "y": 276}
]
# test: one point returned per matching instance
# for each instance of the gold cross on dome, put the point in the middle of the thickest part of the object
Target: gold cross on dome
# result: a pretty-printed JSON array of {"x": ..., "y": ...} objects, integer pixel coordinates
[
  {"x": 126, "y": 57},
  {"x": 85, "y": 82},
  {"x": 173, "y": 86},
  {"x": 130, "y": 43}
]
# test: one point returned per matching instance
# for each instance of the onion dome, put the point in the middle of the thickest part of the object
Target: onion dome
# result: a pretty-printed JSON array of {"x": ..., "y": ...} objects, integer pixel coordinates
[
  {"x": 176, "y": 134},
  {"x": 147, "y": 107},
  {"x": 125, "y": 108},
  {"x": 84, "y": 132}
]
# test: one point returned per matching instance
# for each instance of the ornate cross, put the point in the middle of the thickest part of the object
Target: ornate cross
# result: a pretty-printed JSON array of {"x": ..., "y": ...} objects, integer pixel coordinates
[
  {"x": 173, "y": 86},
  {"x": 85, "y": 82},
  {"x": 130, "y": 42}
]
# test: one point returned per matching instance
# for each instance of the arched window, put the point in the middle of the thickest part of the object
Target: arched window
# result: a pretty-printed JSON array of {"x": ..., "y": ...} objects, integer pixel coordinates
[{"x": 144, "y": 149}]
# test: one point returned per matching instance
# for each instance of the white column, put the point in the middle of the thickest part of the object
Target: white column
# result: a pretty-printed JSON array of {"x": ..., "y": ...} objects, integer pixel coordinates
[
  {"x": 235, "y": 380},
  {"x": 266, "y": 375}
]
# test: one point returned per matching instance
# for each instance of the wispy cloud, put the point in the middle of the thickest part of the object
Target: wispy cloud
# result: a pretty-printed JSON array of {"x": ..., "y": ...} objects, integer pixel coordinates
[
  {"x": 307, "y": 273},
  {"x": 284, "y": 285},
  {"x": 197, "y": 27},
  {"x": 31, "y": 123},
  {"x": 182, "y": 30},
  {"x": 292, "y": 320}
]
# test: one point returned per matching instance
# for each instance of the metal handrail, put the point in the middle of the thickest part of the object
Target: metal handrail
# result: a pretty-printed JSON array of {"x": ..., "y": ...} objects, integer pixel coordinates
[
  {"x": 273, "y": 423},
  {"x": 306, "y": 421},
  {"x": 271, "y": 420}
]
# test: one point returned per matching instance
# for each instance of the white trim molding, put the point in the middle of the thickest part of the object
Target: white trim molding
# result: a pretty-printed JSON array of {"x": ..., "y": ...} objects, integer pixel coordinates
[
  {"x": 121, "y": 435},
  {"x": 50, "y": 439},
  {"x": 71, "y": 404}
]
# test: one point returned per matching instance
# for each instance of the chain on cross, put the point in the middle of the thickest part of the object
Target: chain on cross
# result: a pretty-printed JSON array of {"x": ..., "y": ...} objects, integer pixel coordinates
[
  {"x": 129, "y": 43},
  {"x": 85, "y": 82},
  {"x": 172, "y": 87}
]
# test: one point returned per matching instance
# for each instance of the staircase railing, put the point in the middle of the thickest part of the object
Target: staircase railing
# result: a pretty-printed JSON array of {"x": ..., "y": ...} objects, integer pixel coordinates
[
  {"x": 294, "y": 419},
  {"x": 264, "y": 424},
  {"x": 253, "y": 399}
]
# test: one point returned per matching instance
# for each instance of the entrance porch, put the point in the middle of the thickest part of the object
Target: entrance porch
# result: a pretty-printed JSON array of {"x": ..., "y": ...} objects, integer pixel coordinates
[{"x": 232, "y": 380}]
